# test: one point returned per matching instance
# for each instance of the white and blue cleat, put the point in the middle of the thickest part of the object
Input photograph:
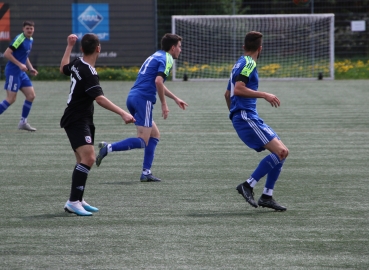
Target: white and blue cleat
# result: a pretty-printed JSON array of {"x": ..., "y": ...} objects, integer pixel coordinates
[
  {"x": 76, "y": 208},
  {"x": 88, "y": 207}
]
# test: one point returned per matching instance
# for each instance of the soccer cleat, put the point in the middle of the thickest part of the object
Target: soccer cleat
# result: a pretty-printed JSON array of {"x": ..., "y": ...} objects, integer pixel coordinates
[
  {"x": 271, "y": 203},
  {"x": 76, "y": 208},
  {"x": 149, "y": 178},
  {"x": 103, "y": 152},
  {"x": 88, "y": 207},
  {"x": 247, "y": 192},
  {"x": 26, "y": 126}
]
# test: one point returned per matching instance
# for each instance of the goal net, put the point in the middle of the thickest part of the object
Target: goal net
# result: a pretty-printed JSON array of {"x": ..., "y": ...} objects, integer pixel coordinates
[{"x": 294, "y": 46}]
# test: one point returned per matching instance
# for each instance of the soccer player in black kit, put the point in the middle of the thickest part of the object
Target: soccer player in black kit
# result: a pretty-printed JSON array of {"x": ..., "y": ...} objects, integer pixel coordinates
[{"x": 77, "y": 120}]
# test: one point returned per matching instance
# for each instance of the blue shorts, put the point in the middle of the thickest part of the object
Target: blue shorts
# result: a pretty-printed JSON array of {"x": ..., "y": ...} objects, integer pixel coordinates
[
  {"x": 253, "y": 132},
  {"x": 15, "y": 82},
  {"x": 141, "y": 109}
]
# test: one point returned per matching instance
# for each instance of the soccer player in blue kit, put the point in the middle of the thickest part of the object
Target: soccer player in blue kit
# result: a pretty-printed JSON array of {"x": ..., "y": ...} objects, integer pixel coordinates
[
  {"x": 15, "y": 72},
  {"x": 241, "y": 98},
  {"x": 140, "y": 103}
]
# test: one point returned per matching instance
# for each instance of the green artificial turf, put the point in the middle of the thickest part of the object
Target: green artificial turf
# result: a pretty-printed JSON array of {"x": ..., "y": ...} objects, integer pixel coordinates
[{"x": 194, "y": 218}]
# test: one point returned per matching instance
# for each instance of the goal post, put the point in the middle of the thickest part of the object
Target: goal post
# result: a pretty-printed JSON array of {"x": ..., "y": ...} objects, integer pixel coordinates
[{"x": 295, "y": 46}]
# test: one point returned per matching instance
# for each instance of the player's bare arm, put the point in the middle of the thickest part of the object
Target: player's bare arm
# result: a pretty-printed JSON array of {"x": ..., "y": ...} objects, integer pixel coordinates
[
  {"x": 71, "y": 40},
  {"x": 31, "y": 69},
  {"x": 107, "y": 104},
  {"x": 8, "y": 54},
  {"x": 242, "y": 91},
  {"x": 160, "y": 88},
  {"x": 227, "y": 96},
  {"x": 182, "y": 104}
]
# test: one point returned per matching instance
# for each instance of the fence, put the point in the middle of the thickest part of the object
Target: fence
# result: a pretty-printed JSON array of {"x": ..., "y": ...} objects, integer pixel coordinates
[{"x": 135, "y": 28}]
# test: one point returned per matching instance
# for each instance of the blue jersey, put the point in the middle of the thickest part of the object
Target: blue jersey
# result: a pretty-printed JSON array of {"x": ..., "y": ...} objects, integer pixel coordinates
[
  {"x": 21, "y": 47},
  {"x": 245, "y": 66},
  {"x": 144, "y": 86}
]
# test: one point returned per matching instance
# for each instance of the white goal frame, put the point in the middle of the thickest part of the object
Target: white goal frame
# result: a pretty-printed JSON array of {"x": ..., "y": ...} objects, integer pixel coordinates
[{"x": 315, "y": 55}]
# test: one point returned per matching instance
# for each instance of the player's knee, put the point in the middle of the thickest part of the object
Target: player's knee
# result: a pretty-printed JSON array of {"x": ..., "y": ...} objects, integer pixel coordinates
[
  {"x": 283, "y": 154},
  {"x": 11, "y": 100},
  {"x": 90, "y": 161},
  {"x": 145, "y": 140},
  {"x": 31, "y": 97}
]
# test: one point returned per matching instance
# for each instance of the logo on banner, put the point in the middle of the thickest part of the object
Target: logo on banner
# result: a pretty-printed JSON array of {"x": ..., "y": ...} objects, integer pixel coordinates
[
  {"x": 91, "y": 18},
  {"x": 4, "y": 22}
]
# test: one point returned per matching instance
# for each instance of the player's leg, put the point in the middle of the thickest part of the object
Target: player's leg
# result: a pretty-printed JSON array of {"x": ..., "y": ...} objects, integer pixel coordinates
[
  {"x": 278, "y": 154},
  {"x": 138, "y": 108},
  {"x": 246, "y": 133},
  {"x": 266, "y": 199},
  {"x": 81, "y": 137},
  {"x": 257, "y": 135},
  {"x": 27, "y": 89},
  {"x": 124, "y": 145},
  {"x": 149, "y": 155},
  {"x": 11, "y": 87}
]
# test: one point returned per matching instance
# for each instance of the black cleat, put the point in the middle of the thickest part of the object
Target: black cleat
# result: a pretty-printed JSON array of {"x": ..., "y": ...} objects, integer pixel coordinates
[
  {"x": 149, "y": 178},
  {"x": 271, "y": 203},
  {"x": 247, "y": 192}
]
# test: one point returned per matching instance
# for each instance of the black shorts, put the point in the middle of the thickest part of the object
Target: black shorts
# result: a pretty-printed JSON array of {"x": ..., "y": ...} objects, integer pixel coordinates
[{"x": 80, "y": 134}]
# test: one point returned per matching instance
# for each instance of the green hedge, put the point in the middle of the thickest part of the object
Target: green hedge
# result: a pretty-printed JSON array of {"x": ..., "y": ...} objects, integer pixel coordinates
[
  {"x": 344, "y": 69},
  {"x": 105, "y": 73}
]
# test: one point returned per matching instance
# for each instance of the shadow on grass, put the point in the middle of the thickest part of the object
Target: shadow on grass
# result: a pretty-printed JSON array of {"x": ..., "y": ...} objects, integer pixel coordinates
[
  {"x": 252, "y": 212},
  {"x": 48, "y": 216},
  {"x": 122, "y": 183}
]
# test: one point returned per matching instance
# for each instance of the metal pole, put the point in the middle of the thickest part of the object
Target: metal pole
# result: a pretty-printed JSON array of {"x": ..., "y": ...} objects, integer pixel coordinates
[
  {"x": 234, "y": 32},
  {"x": 312, "y": 6},
  {"x": 156, "y": 25},
  {"x": 312, "y": 40}
]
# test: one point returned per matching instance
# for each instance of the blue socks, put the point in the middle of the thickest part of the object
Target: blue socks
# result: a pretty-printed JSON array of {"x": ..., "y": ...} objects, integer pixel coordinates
[
  {"x": 27, "y": 105},
  {"x": 128, "y": 144},
  {"x": 132, "y": 143},
  {"x": 150, "y": 153},
  {"x": 271, "y": 165},
  {"x": 273, "y": 175},
  {"x": 265, "y": 166},
  {"x": 3, "y": 106}
]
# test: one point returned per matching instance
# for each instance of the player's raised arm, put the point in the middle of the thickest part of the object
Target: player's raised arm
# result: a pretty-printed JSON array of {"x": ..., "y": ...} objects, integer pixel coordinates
[{"x": 71, "y": 40}]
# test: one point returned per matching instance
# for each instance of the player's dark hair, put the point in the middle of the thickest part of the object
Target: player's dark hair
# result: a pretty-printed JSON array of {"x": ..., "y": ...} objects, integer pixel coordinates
[
  {"x": 89, "y": 43},
  {"x": 30, "y": 23},
  {"x": 252, "y": 41},
  {"x": 169, "y": 40}
]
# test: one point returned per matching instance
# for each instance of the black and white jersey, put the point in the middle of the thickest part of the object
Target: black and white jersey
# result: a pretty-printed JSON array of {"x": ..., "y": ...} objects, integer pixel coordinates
[{"x": 84, "y": 88}]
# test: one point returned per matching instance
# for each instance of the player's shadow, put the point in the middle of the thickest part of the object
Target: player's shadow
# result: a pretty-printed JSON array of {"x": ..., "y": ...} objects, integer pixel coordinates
[
  {"x": 251, "y": 212},
  {"x": 130, "y": 183},
  {"x": 47, "y": 216}
]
